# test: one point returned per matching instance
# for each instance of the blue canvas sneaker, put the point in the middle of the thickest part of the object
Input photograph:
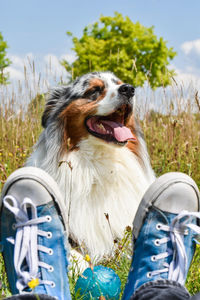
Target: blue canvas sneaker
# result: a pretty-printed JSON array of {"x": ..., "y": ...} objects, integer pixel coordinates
[
  {"x": 33, "y": 234},
  {"x": 164, "y": 232}
]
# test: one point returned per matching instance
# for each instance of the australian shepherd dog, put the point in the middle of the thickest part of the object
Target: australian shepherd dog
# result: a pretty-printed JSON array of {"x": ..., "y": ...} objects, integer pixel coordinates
[{"x": 93, "y": 147}]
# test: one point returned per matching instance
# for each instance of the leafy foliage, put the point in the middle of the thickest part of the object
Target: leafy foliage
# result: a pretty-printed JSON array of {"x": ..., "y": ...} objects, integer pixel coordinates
[
  {"x": 131, "y": 51},
  {"x": 4, "y": 62}
]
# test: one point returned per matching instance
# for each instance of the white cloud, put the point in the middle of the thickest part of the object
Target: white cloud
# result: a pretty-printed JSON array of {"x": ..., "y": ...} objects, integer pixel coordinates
[
  {"x": 16, "y": 69},
  {"x": 187, "y": 77},
  {"x": 53, "y": 63},
  {"x": 15, "y": 74},
  {"x": 16, "y": 61},
  {"x": 69, "y": 57},
  {"x": 46, "y": 68},
  {"x": 30, "y": 75},
  {"x": 191, "y": 47},
  {"x": 18, "y": 66}
]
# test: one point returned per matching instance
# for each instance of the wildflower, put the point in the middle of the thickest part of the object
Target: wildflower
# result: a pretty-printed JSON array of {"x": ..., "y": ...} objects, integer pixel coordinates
[
  {"x": 10, "y": 154},
  {"x": 33, "y": 283},
  {"x": 128, "y": 228},
  {"x": 87, "y": 258},
  {"x": 120, "y": 247}
]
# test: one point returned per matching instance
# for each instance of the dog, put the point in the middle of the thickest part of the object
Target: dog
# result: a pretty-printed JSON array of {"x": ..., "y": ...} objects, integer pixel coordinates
[{"x": 93, "y": 147}]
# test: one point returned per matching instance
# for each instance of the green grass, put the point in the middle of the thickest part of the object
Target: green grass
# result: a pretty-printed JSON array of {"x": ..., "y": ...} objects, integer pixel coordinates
[{"x": 173, "y": 141}]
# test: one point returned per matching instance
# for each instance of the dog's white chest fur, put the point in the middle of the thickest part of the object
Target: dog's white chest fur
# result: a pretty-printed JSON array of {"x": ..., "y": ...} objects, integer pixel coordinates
[{"x": 96, "y": 181}]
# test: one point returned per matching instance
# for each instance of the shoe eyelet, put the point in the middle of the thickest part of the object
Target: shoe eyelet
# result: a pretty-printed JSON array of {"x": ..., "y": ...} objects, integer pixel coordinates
[
  {"x": 157, "y": 242},
  {"x": 51, "y": 269},
  {"x": 153, "y": 258},
  {"x": 49, "y": 235},
  {"x": 158, "y": 226},
  {"x": 50, "y": 252},
  {"x": 48, "y": 218},
  {"x": 53, "y": 284},
  {"x": 149, "y": 275},
  {"x": 186, "y": 232},
  {"x": 14, "y": 226}
]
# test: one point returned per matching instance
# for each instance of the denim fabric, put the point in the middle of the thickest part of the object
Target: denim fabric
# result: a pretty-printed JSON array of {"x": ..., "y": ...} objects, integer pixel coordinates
[
  {"x": 161, "y": 290},
  {"x": 145, "y": 248},
  {"x": 58, "y": 260},
  {"x": 6, "y": 221},
  {"x": 196, "y": 297}
]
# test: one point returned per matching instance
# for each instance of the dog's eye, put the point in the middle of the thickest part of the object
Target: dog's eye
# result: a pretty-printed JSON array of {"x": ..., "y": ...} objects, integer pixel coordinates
[{"x": 94, "y": 93}]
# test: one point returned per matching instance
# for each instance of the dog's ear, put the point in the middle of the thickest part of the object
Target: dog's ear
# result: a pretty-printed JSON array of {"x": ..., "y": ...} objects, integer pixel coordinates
[
  {"x": 49, "y": 106},
  {"x": 55, "y": 100}
]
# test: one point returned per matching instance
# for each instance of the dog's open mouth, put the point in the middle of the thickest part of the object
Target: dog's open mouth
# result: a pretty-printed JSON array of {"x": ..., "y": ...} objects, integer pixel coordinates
[{"x": 111, "y": 128}]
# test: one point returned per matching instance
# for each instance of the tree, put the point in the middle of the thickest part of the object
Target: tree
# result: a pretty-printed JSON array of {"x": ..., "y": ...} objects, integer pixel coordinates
[
  {"x": 4, "y": 61},
  {"x": 133, "y": 52}
]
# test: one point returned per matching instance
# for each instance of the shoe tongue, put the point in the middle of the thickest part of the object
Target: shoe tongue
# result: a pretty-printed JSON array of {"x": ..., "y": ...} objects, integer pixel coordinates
[{"x": 120, "y": 132}]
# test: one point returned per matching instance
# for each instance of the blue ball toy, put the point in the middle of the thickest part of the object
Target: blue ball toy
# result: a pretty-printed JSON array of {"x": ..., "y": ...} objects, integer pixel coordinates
[{"x": 98, "y": 281}]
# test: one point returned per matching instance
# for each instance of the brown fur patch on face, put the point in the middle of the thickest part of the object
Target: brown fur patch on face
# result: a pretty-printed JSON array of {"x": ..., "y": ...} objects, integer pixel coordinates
[
  {"x": 72, "y": 120},
  {"x": 96, "y": 82},
  {"x": 133, "y": 146},
  {"x": 119, "y": 82}
]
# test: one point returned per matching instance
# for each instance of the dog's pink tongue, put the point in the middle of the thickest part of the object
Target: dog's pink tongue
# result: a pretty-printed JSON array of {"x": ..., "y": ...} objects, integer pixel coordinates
[{"x": 120, "y": 132}]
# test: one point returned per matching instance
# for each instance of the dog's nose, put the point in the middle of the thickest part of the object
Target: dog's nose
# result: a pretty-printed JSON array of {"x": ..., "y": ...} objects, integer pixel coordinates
[{"x": 127, "y": 90}]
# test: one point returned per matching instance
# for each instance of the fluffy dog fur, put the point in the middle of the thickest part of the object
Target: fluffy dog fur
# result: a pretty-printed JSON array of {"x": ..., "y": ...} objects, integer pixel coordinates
[{"x": 94, "y": 149}]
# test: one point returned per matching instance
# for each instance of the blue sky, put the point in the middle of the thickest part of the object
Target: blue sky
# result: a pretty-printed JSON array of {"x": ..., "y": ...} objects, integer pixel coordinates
[{"x": 38, "y": 28}]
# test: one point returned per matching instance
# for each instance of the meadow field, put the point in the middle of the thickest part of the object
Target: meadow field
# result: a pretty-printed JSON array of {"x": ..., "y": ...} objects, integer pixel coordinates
[{"x": 171, "y": 125}]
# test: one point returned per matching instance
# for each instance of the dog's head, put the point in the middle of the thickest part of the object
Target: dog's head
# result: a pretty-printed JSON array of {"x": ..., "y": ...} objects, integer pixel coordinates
[{"x": 96, "y": 104}]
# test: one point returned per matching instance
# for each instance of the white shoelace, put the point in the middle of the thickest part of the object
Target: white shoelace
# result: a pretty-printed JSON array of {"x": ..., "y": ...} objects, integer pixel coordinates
[
  {"x": 25, "y": 242},
  {"x": 178, "y": 267}
]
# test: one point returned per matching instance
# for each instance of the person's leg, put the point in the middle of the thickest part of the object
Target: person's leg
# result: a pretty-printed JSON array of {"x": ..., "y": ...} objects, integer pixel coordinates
[
  {"x": 33, "y": 236},
  {"x": 31, "y": 297},
  {"x": 196, "y": 297},
  {"x": 157, "y": 290},
  {"x": 164, "y": 231}
]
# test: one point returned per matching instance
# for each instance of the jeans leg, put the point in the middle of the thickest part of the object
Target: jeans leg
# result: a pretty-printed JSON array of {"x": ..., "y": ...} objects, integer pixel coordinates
[
  {"x": 161, "y": 289},
  {"x": 196, "y": 297},
  {"x": 31, "y": 297}
]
